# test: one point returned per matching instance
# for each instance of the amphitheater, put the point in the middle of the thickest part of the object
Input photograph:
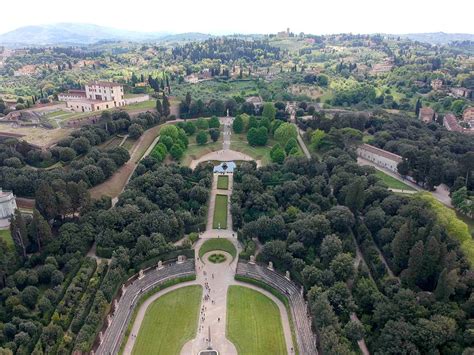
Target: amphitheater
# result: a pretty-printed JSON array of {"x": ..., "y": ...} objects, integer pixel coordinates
[{"x": 113, "y": 337}]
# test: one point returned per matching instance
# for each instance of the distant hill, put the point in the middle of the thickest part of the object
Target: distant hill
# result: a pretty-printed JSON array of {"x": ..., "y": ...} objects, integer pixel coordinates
[
  {"x": 438, "y": 37},
  {"x": 83, "y": 34}
]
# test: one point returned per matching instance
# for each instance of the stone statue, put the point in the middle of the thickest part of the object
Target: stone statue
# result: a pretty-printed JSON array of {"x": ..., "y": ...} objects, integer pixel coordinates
[
  {"x": 101, "y": 337},
  {"x": 123, "y": 289},
  {"x": 160, "y": 265},
  {"x": 109, "y": 320},
  {"x": 252, "y": 259},
  {"x": 270, "y": 266},
  {"x": 180, "y": 259},
  {"x": 115, "y": 304},
  {"x": 141, "y": 275},
  {"x": 287, "y": 275}
]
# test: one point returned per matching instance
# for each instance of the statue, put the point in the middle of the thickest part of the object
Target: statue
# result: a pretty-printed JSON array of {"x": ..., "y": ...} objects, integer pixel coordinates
[
  {"x": 180, "y": 259},
  {"x": 252, "y": 259},
  {"x": 270, "y": 266},
  {"x": 287, "y": 275},
  {"x": 109, "y": 320},
  {"x": 123, "y": 289},
  {"x": 115, "y": 304},
  {"x": 101, "y": 337},
  {"x": 141, "y": 275},
  {"x": 160, "y": 265}
]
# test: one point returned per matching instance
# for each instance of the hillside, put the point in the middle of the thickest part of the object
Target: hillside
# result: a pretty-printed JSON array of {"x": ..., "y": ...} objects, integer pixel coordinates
[
  {"x": 439, "y": 37},
  {"x": 72, "y": 33}
]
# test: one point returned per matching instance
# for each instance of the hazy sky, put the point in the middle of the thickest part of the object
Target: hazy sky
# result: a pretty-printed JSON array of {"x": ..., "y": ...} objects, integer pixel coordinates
[{"x": 248, "y": 16}]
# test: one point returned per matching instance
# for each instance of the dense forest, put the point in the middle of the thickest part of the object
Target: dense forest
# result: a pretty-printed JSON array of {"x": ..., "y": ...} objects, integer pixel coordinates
[{"x": 311, "y": 215}]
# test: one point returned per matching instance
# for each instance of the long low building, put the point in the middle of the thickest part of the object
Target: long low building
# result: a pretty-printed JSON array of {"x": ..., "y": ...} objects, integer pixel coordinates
[
  {"x": 7, "y": 204},
  {"x": 382, "y": 158}
]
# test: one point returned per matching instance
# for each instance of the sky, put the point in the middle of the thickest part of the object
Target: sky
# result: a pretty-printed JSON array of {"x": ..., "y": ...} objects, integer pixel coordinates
[{"x": 249, "y": 16}]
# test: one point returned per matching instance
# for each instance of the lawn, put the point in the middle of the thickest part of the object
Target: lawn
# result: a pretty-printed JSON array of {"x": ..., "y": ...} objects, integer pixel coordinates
[
  {"x": 220, "y": 212},
  {"x": 195, "y": 151},
  {"x": 239, "y": 143},
  {"x": 217, "y": 244},
  {"x": 254, "y": 323},
  {"x": 393, "y": 183},
  {"x": 150, "y": 104},
  {"x": 222, "y": 182},
  {"x": 169, "y": 322},
  {"x": 7, "y": 237}
]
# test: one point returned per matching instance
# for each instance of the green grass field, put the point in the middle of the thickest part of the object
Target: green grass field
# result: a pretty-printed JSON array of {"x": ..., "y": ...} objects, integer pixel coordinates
[
  {"x": 254, "y": 323},
  {"x": 7, "y": 237},
  {"x": 393, "y": 183},
  {"x": 195, "y": 151},
  {"x": 222, "y": 182},
  {"x": 169, "y": 322},
  {"x": 220, "y": 212},
  {"x": 239, "y": 143},
  {"x": 217, "y": 244}
]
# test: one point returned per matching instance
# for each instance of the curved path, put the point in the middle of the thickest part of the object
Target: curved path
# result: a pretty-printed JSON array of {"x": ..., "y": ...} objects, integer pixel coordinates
[
  {"x": 143, "y": 309},
  {"x": 112, "y": 336},
  {"x": 223, "y": 155}
]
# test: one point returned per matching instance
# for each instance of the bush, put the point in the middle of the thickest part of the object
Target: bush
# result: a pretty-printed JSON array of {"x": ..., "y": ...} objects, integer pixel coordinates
[{"x": 201, "y": 138}]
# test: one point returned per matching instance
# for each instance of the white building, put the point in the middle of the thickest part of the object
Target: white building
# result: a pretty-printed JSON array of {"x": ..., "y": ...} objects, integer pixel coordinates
[
  {"x": 7, "y": 204},
  {"x": 97, "y": 96},
  {"x": 380, "y": 157}
]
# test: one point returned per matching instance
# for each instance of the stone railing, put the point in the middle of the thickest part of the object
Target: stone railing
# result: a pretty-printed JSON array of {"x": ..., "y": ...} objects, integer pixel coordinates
[
  {"x": 305, "y": 336},
  {"x": 110, "y": 337}
]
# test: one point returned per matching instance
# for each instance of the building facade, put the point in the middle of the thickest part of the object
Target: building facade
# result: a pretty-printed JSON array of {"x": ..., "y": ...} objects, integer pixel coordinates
[
  {"x": 97, "y": 96},
  {"x": 7, "y": 204},
  {"x": 380, "y": 157}
]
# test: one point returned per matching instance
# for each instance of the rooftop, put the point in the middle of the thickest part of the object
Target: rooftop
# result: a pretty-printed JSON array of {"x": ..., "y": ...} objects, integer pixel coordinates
[
  {"x": 225, "y": 167},
  {"x": 104, "y": 83},
  {"x": 381, "y": 152}
]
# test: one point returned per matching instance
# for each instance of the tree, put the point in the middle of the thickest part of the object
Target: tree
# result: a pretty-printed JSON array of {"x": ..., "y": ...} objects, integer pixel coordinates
[
  {"x": 417, "y": 107},
  {"x": 343, "y": 267},
  {"x": 188, "y": 99},
  {"x": 135, "y": 131},
  {"x": 166, "y": 106},
  {"x": 355, "y": 197},
  {"x": 170, "y": 131},
  {"x": 202, "y": 123},
  {"x": 317, "y": 139},
  {"x": 285, "y": 132},
  {"x": 354, "y": 331},
  {"x": 189, "y": 128},
  {"x": 447, "y": 282},
  {"x": 40, "y": 229},
  {"x": 19, "y": 232},
  {"x": 214, "y": 122},
  {"x": 269, "y": 111},
  {"x": 81, "y": 145},
  {"x": 257, "y": 136},
  {"x": 201, "y": 137},
  {"x": 277, "y": 154},
  {"x": 159, "y": 107},
  {"x": 176, "y": 152},
  {"x": 238, "y": 124},
  {"x": 215, "y": 134},
  {"x": 330, "y": 247},
  {"x": 45, "y": 201},
  {"x": 292, "y": 143},
  {"x": 67, "y": 154}
]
